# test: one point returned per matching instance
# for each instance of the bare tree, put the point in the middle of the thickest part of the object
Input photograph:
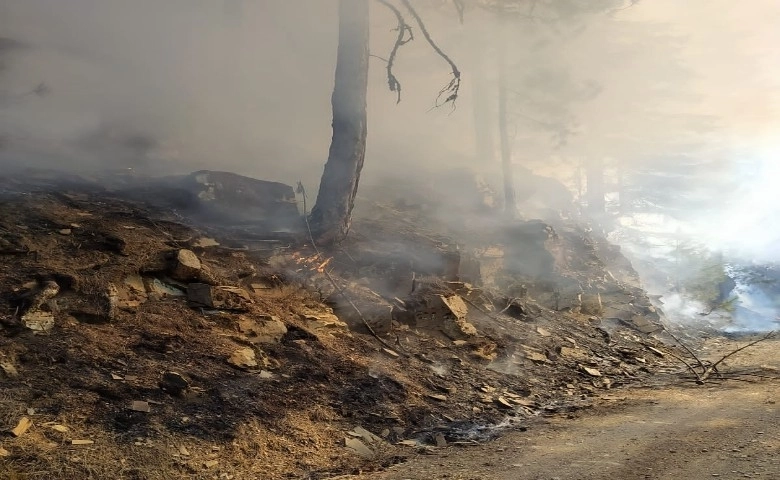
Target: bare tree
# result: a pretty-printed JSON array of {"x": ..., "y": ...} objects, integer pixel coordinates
[{"x": 331, "y": 216}]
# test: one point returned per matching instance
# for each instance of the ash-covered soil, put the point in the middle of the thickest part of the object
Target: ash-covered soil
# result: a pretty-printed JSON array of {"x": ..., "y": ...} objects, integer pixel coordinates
[{"x": 140, "y": 341}]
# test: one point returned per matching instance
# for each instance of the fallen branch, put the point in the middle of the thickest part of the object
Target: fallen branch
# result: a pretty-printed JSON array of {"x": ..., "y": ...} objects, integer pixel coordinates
[{"x": 714, "y": 367}]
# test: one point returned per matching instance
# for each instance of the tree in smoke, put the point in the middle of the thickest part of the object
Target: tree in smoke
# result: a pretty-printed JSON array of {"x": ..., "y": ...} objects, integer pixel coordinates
[
  {"x": 559, "y": 16},
  {"x": 331, "y": 216}
]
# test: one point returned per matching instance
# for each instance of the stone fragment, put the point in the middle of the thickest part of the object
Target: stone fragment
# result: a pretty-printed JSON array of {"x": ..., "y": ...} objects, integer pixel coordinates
[
  {"x": 174, "y": 383},
  {"x": 243, "y": 358},
  {"x": 186, "y": 266},
  {"x": 65, "y": 231},
  {"x": 439, "y": 398},
  {"x": 591, "y": 304},
  {"x": 140, "y": 406},
  {"x": 441, "y": 442},
  {"x": 82, "y": 442},
  {"x": 265, "y": 329},
  {"x": 38, "y": 320},
  {"x": 591, "y": 371},
  {"x": 220, "y": 297},
  {"x": 503, "y": 402},
  {"x": 358, "y": 447}
]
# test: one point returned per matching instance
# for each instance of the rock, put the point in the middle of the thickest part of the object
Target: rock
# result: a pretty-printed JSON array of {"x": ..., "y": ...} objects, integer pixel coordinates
[
  {"x": 446, "y": 314},
  {"x": 24, "y": 424},
  {"x": 263, "y": 329},
  {"x": 243, "y": 358},
  {"x": 4, "y": 452},
  {"x": 221, "y": 297},
  {"x": 367, "y": 436},
  {"x": 591, "y": 371},
  {"x": 438, "y": 398},
  {"x": 321, "y": 321},
  {"x": 229, "y": 197},
  {"x": 535, "y": 356},
  {"x": 65, "y": 231},
  {"x": 503, "y": 402},
  {"x": 186, "y": 266},
  {"x": 358, "y": 447},
  {"x": 174, "y": 383},
  {"x": 441, "y": 442},
  {"x": 38, "y": 320},
  {"x": 140, "y": 406},
  {"x": 644, "y": 325},
  {"x": 541, "y": 331},
  {"x": 82, "y": 442},
  {"x": 157, "y": 288},
  {"x": 591, "y": 304}
]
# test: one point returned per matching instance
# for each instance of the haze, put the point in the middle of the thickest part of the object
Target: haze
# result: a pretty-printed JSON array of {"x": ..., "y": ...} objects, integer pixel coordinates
[{"x": 245, "y": 86}]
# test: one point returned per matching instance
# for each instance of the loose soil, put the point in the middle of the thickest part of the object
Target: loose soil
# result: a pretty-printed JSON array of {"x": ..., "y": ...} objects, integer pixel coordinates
[{"x": 726, "y": 430}]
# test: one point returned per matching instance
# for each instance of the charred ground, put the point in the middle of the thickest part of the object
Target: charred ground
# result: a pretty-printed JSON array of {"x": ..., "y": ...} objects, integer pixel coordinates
[{"x": 144, "y": 339}]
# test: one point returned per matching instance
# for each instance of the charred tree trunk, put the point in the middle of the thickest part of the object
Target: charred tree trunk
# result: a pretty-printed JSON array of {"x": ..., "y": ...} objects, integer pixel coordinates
[
  {"x": 510, "y": 201},
  {"x": 331, "y": 217}
]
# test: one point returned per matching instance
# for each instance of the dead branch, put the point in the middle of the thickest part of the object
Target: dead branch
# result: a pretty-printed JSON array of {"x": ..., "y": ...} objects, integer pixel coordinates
[
  {"x": 401, "y": 40},
  {"x": 449, "y": 91},
  {"x": 714, "y": 367}
]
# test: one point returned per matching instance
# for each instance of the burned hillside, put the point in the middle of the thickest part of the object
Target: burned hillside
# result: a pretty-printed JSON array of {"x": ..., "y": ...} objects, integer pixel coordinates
[{"x": 143, "y": 339}]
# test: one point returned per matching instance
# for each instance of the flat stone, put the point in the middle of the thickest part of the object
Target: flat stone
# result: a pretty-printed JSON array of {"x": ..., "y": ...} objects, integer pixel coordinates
[
  {"x": 243, "y": 358},
  {"x": 536, "y": 357},
  {"x": 140, "y": 406},
  {"x": 264, "y": 329},
  {"x": 38, "y": 320},
  {"x": 591, "y": 371},
  {"x": 358, "y": 447},
  {"x": 220, "y": 297},
  {"x": 186, "y": 266}
]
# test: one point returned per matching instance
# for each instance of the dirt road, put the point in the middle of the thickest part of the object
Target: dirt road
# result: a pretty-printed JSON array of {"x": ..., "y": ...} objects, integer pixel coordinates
[{"x": 730, "y": 430}]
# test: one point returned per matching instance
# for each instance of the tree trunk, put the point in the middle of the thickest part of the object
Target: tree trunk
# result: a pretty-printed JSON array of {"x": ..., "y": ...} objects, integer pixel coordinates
[
  {"x": 332, "y": 215},
  {"x": 510, "y": 201},
  {"x": 482, "y": 111}
]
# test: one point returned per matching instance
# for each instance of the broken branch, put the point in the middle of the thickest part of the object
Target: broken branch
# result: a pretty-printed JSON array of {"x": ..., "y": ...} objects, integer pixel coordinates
[
  {"x": 714, "y": 367},
  {"x": 449, "y": 91},
  {"x": 401, "y": 39}
]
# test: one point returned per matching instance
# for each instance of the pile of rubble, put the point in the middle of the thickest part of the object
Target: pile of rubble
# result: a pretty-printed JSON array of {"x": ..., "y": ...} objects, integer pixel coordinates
[{"x": 135, "y": 339}]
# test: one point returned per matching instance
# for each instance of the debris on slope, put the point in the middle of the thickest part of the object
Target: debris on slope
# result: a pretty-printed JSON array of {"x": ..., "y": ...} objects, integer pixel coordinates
[{"x": 235, "y": 357}]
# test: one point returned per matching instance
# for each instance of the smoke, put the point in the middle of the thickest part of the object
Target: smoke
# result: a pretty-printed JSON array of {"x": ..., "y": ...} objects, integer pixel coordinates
[{"x": 677, "y": 100}]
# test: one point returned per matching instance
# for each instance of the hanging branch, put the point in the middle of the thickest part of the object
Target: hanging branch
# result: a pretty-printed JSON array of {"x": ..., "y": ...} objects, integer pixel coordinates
[
  {"x": 449, "y": 91},
  {"x": 401, "y": 40}
]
